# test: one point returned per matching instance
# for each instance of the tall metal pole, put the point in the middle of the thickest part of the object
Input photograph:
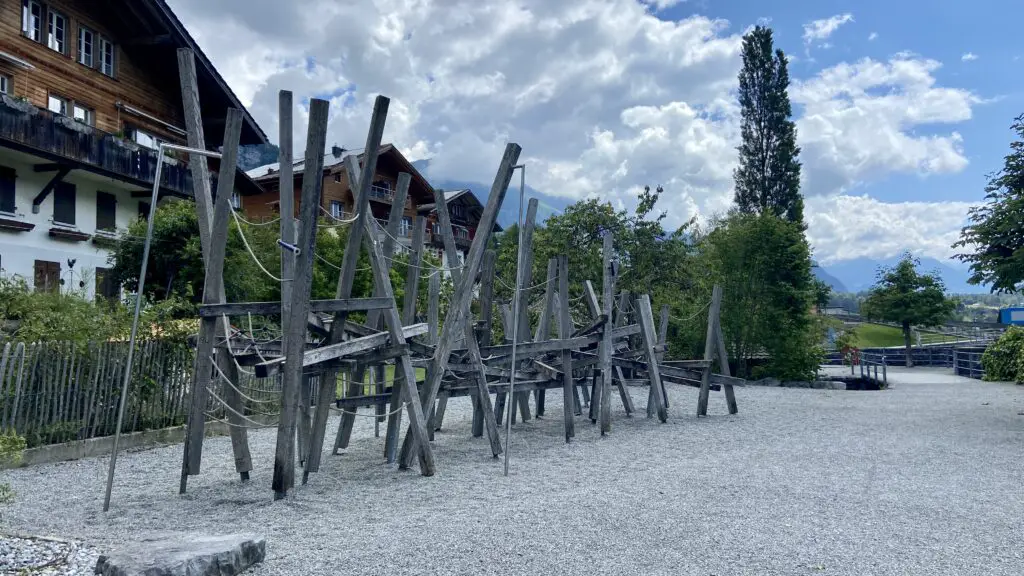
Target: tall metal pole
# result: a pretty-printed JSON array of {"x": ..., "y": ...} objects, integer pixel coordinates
[
  {"x": 515, "y": 320},
  {"x": 138, "y": 307}
]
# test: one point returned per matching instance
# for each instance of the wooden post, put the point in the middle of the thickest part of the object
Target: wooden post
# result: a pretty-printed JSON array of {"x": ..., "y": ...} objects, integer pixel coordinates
[
  {"x": 605, "y": 350},
  {"x": 213, "y": 292},
  {"x": 544, "y": 325},
  {"x": 564, "y": 332},
  {"x": 486, "y": 316},
  {"x": 653, "y": 369},
  {"x": 522, "y": 399},
  {"x": 459, "y": 306},
  {"x": 709, "y": 351},
  {"x": 723, "y": 359},
  {"x": 627, "y": 400},
  {"x": 295, "y": 331},
  {"x": 193, "y": 448},
  {"x": 286, "y": 196}
]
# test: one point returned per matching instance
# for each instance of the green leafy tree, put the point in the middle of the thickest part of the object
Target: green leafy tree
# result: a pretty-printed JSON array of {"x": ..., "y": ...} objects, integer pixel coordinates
[
  {"x": 909, "y": 298},
  {"x": 994, "y": 239},
  {"x": 768, "y": 176},
  {"x": 764, "y": 267}
]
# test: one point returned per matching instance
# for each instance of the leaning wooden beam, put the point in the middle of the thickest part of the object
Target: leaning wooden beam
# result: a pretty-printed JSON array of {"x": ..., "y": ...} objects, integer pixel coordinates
[
  {"x": 348, "y": 419},
  {"x": 216, "y": 226},
  {"x": 653, "y": 369},
  {"x": 522, "y": 399},
  {"x": 486, "y": 315},
  {"x": 723, "y": 359},
  {"x": 460, "y": 301},
  {"x": 302, "y": 281},
  {"x": 627, "y": 399},
  {"x": 342, "y": 349},
  {"x": 412, "y": 282},
  {"x": 433, "y": 308},
  {"x": 709, "y": 351},
  {"x": 274, "y": 308},
  {"x": 467, "y": 277}
]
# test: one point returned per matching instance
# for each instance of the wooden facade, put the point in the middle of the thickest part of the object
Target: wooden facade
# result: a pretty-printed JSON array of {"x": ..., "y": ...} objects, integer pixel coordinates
[{"x": 337, "y": 198}]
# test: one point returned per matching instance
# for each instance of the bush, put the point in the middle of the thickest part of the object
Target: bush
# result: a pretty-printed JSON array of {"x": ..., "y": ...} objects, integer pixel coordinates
[
  {"x": 1002, "y": 360},
  {"x": 11, "y": 447}
]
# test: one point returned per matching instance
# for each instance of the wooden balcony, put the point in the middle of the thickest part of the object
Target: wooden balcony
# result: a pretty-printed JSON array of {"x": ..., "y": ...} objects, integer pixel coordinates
[{"x": 61, "y": 140}]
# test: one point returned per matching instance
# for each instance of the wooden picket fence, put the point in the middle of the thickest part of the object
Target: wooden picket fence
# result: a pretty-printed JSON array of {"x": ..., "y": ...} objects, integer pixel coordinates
[{"x": 53, "y": 392}]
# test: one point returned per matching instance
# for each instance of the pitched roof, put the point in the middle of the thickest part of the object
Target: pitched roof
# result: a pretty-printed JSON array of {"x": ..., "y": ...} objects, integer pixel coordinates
[
  {"x": 158, "y": 34},
  {"x": 467, "y": 196}
]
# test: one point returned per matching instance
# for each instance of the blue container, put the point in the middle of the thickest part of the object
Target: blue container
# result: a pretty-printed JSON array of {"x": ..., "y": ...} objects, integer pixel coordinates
[{"x": 1012, "y": 316}]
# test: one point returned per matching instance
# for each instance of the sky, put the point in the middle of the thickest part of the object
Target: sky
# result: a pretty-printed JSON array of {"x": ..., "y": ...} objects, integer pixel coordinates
[{"x": 902, "y": 108}]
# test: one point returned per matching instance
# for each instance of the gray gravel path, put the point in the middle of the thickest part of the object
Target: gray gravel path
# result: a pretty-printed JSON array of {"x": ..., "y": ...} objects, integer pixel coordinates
[{"x": 923, "y": 479}]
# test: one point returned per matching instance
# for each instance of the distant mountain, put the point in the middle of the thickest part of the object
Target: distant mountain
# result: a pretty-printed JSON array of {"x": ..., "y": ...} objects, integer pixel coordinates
[
  {"x": 823, "y": 275},
  {"x": 509, "y": 213},
  {"x": 860, "y": 273},
  {"x": 256, "y": 155}
]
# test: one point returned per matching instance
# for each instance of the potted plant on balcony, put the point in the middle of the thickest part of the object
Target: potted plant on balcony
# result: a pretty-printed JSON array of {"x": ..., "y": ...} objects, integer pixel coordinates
[
  {"x": 121, "y": 139},
  {"x": 19, "y": 103}
]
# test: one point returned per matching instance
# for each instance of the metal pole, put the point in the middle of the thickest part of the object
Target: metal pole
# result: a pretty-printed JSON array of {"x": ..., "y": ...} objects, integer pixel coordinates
[
  {"x": 511, "y": 403},
  {"x": 138, "y": 307}
]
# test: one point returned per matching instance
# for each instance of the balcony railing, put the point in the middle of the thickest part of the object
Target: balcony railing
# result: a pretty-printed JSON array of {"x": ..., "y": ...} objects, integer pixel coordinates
[
  {"x": 381, "y": 193},
  {"x": 39, "y": 129}
]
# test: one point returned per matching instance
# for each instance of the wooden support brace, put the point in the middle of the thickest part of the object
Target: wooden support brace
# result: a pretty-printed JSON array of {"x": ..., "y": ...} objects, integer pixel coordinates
[{"x": 710, "y": 346}]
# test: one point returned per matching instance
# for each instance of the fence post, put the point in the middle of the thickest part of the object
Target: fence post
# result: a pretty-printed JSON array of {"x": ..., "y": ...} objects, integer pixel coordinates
[{"x": 956, "y": 366}]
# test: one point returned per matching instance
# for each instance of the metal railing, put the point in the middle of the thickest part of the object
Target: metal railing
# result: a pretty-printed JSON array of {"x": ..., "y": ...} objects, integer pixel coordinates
[{"x": 967, "y": 362}]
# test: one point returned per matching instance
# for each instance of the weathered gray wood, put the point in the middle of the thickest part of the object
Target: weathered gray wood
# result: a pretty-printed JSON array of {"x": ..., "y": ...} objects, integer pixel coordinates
[
  {"x": 627, "y": 399},
  {"x": 590, "y": 297},
  {"x": 448, "y": 240},
  {"x": 564, "y": 328},
  {"x": 709, "y": 351},
  {"x": 663, "y": 335},
  {"x": 412, "y": 279},
  {"x": 345, "y": 348},
  {"x": 653, "y": 368},
  {"x": 213, "y": 293},
  {"x": 295, "y": 331},
  {"x": 723, "y": 360},
  {"x": 274, "y": 308},
  {"x": 605, "y": 349},
  {"x": 526, "y": 282},
  {"x": 486, "y": 315},
  {"x": 286, "y": 198},
  {"x": 459, "y": 305},
  {"x": 550, "y": 293},
  {"x": 433, "y": 306}
]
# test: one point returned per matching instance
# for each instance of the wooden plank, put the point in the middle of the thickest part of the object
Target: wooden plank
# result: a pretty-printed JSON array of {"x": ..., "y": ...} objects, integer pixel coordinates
[
  {"x": 627, "y": 399},
  {"x": 660, "y": 350},
  {"x": 448, "y": 240},
  {"x": 334, "y": 351},
  {"x": 564, "y": 328},
  {"x": 590, "y": 297},
  {"x": 653, "y": 368},
  {"x": 433, "y": 306},
  {"x": 486, "y": 315},
  {"x": 213, "y": 293},
  {"x": 295, "y": 331},
  {"x": 460, "y": 302},
  {"x": 723, "y": 360},
  {"x": 493, "y": 353},
  {"x": 709, "y": 351},
  {"x": 403, "y": 367},
  {"x": 274, "y": 308}
]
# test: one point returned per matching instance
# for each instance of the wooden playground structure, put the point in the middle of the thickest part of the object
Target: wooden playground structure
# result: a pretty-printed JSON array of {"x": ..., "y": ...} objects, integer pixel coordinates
[{"x": 618, "y": 345}]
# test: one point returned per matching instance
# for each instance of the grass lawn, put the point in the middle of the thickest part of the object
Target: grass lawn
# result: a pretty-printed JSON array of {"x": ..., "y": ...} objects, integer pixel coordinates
[
  {"x": 878, "y": 336},
  {"x": 389, "y": 375}
]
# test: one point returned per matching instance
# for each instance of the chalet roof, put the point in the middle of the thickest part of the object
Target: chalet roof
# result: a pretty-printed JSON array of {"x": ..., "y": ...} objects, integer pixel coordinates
[
  {"x": 155, "y": 32},
  {"x": 334, "y": 160},
  {"x": 465, "y": 196}
]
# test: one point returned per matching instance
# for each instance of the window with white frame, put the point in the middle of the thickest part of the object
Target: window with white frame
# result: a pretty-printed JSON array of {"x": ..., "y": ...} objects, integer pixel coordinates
[
  {"x": 5, "y": 84},
  {"x": 57, "y": 32},
  {"x": 236, "y": 201},
  {"x": 143, "y": 138},
  {"x": 86, "y": 40},
  {"x": 406, "y": 226},
  {"x": 336, "y": 210},
  {"x": 57, "y": 105},
  {"x": 32, "y": 20},
  {"x": 83, "y": 114},
  {"x": 108, "y": 58}
]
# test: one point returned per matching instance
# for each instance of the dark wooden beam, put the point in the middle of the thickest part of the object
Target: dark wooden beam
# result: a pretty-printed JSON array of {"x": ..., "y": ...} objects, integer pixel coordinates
[
  {"x": 49, "y": 188},
  {"x": 49, "y": 167},
  {"x": 274, "y": 308},
  {"x": 155, "y": 40}
]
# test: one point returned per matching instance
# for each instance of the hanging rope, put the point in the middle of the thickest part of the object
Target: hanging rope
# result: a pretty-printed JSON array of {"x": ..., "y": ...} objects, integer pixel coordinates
[
  {"x": 695, "y": 314},
  {"x": 235, "y": 388},
  {"x": 253, "y": 254},
  {"x": 374, "y": 415},
  {"x": 341, "y": 221},
  {"x": 236, "y": 412},
  {"x": 250, "y": 223}
]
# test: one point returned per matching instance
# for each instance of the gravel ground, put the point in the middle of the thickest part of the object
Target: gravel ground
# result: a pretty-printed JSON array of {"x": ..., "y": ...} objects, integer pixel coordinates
[
  {"x": 924, "y": 479},
  {"x": 44, "y": 557}
]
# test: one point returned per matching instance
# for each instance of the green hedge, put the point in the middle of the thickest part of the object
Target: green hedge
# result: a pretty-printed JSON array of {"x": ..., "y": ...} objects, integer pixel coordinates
[{"x": 1003, "y": 360}]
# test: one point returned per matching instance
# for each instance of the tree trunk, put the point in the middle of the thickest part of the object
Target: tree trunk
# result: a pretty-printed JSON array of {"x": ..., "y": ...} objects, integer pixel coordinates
[{"x": 906, "y": 341}]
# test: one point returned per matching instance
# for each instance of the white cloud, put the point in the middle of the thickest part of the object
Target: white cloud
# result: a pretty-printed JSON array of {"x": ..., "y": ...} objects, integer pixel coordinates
[
  {"x": 662, "y": 4},
  {"x": 872, "y": 36},
  {"x": 819, "y": 30},
  {"x": 845, "y": 227},
  {"x": 969, "y": 56},
  {"x": 603, "y": 96}
]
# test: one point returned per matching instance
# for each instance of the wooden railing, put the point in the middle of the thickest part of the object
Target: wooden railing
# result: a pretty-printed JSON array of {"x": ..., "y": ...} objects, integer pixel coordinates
[{"x": 42, "y": 130}]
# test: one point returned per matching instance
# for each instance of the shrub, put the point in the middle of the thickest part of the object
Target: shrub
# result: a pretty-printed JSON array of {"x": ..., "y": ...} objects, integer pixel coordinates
[
  {"x": 1003, "y": 360},
  {"x": 11, "y": 447}
]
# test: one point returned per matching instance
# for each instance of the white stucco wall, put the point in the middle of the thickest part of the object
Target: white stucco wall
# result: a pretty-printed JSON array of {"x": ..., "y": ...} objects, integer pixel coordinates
[{"x": 20, "y": 250}]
